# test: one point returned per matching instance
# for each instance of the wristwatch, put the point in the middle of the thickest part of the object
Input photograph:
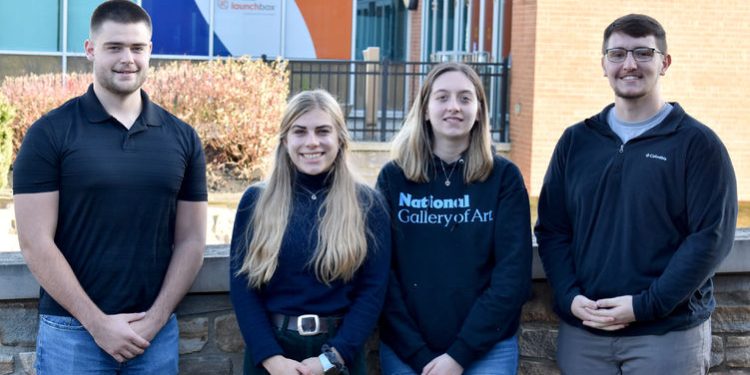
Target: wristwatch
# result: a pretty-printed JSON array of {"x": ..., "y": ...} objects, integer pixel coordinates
[{"x": 329, "y": 361}]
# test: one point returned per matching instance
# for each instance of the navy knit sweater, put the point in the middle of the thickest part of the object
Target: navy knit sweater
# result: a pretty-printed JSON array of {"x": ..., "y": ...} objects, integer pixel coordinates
[
  {"x": 462, "y": 262},
  {"x": 651, "y": 218},
  {"x": 295, "y": 290}
]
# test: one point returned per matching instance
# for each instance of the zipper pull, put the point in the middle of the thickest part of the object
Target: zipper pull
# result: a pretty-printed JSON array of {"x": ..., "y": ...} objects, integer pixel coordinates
[{"x": 621, "y": 147}]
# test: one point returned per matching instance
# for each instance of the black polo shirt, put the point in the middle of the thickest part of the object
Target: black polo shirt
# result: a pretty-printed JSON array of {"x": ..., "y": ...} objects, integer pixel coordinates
[{"x": 118, "y": 195}]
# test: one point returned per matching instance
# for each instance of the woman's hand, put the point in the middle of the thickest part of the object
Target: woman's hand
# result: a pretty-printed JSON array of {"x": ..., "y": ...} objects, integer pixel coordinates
[
  {"x": 443, "y": 365},
  {"x": 313, "y": 363},
  {"x": 280, "y": 365}
]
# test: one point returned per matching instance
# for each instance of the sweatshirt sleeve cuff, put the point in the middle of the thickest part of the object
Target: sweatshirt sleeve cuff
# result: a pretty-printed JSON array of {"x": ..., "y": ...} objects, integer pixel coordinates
[
  {"x": 420, "y": 359},
  {"x": 640, "y": 308},
  {"x": 343, "y": 350},
  {"x": 260, "y": 356},
  {"x": 567, "y": 302},
  {"x": 462, "y": 354}
]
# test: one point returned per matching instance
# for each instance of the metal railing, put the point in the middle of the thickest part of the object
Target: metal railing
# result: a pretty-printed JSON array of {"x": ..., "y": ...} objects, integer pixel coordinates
[{"x": 377, "y": 96}]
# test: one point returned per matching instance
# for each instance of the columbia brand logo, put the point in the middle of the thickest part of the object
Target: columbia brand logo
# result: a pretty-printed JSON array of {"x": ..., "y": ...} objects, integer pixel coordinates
[{"x": 655, "y": 156}]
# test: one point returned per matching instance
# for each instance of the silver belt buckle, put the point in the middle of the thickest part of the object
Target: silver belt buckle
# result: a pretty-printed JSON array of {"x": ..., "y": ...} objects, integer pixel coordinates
[{"x": 307, "y": 317}]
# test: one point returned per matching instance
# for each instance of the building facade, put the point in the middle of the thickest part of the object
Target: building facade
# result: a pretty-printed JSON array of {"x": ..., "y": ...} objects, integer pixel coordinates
[{"x": 554, "y": 47}]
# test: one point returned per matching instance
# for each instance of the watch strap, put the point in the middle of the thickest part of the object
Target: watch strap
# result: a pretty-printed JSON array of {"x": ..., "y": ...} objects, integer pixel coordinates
[{"x": 330, "y": 361}]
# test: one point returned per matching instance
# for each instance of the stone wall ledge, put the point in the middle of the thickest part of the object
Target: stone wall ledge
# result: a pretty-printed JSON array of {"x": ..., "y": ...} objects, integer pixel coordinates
[{"x": 16, "y": 282}]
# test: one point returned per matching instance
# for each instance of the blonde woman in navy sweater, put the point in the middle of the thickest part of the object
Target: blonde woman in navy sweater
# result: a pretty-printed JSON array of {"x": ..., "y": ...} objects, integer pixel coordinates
[
  {"x": 310, "y": 251},
  {"x": 461, "y": 239}
]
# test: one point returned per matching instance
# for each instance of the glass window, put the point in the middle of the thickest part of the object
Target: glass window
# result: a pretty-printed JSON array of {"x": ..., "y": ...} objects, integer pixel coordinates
[
  {"x": 382, "y": 23},
  {"x": 79, "y": 19},
  {"x": 180, "y": 28},
  {"x": 437, "y": 15},
  {"x": 31, "y": 25}
]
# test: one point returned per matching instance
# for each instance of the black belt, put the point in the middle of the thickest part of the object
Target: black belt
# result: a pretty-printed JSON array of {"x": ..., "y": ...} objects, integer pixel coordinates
[{"x": 306, "y": 325}]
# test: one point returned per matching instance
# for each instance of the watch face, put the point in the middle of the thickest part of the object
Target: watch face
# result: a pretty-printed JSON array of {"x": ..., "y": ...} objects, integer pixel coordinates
[
  {"x": 328, "y": 367},
  {"x": 330, "y": 362}
]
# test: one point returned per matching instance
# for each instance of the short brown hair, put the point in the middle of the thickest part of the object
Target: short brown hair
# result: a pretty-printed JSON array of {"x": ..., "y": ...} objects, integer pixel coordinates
[
  {"x": 120, "y": 11},
  {"x": 637, "y": 26}
]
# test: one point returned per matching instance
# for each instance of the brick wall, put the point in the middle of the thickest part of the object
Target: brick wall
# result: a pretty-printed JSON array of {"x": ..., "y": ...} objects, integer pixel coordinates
[
  {"x": 557, "y": 78},
  {"x": 521, "y": 104}
]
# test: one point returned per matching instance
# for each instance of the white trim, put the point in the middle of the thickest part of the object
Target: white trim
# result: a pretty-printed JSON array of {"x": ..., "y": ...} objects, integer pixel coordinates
[
  {"x": 433, "y": 19},
  {"x": 444, "y": 46},
  {"x": 501, "y": 29},
  {"x": 187, "y": 57},
  {"x": 495, "y": 34},
  {"x": 352, "y": 78},
  {"x": 282, "y": 32},
  {"x": 407, "y": 50},
  {"x": 456, "y": 25},
  {"x": 211, "y": 16},
  {"x": 83, "y": 54},
  {"x": 64, "y": 41},
  {"x": 30, "y": 53},
  {"x": 425, "y": 24},
  {"x": 354, "y": 31},
  {"x": 469, "y": 17}
]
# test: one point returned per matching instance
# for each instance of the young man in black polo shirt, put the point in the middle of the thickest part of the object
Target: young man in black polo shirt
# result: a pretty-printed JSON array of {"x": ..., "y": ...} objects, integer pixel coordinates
[
  {"x": 637, "y": 210},
  {"x": 110, "y": 197}
]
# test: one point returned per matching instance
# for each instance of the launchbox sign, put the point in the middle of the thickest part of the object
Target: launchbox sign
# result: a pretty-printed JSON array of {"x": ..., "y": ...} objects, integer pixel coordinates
[
  {"x": 252, "y": 6},
  {"x": 249, "y": 27},
  {"x": 294, "y": 29}
]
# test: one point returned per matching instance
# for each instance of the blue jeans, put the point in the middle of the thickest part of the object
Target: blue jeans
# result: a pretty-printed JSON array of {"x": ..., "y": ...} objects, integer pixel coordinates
[
  {"x": 502, "y": 359},
  {"x": 64, "y": 347}
]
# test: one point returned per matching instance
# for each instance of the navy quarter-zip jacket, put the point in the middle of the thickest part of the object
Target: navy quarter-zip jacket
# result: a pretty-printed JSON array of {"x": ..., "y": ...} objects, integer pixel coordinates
[{"x": 651, "y": 218}]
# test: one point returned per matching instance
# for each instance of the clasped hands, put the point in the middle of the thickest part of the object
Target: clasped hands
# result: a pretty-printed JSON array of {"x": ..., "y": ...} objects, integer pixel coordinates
[
  {"x": 608, "y": 314},
  {"x": 280, "y": 365},
  {"x": 125, "y": 336}
]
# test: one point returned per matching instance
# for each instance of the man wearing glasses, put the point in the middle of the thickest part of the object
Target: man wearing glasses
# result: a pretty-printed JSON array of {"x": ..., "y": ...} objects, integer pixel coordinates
[{"x": 637, "y": 210}]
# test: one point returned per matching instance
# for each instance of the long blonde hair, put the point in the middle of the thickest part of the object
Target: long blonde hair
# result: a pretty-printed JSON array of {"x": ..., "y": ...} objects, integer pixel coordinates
[
  {"x": 413, "y": 145},
  {"x": 342, "y": 237}
]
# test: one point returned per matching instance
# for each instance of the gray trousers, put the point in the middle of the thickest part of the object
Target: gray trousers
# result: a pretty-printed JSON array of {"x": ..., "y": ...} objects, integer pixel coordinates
[{"x": 679, "y": 352}]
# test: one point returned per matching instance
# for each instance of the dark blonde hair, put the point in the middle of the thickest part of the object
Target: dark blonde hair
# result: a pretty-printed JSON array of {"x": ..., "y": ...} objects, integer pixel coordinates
[
  {"x": 413, "y": 145},
  {"x": 342, "y": 238}
]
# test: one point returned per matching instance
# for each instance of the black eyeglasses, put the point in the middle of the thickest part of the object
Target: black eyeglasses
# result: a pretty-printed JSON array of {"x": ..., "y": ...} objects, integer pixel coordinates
[{"x": 641, "y": 54}]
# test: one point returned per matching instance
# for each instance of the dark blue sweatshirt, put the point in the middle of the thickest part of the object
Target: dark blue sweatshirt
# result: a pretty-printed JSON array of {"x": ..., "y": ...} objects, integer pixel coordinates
[
  {"x": 461, "y": 262},
  {"x": 295, "y": 290},
  {"x": 651, "y": 218}
]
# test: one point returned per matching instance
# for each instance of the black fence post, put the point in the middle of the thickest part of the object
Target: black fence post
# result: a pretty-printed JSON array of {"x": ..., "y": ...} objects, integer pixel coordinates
[{"x": 505, "y": 136}]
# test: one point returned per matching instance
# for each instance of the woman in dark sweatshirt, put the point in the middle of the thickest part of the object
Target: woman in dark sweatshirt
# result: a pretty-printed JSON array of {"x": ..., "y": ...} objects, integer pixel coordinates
[
  {"x": 310, "y": 251},
  {"x": 461, "y": 265}
]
